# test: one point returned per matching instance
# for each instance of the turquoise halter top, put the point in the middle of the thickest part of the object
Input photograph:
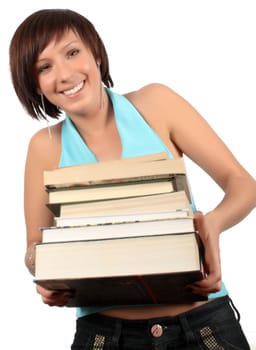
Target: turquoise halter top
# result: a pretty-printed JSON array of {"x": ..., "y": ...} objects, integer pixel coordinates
[{"x": 137, "y": 138}]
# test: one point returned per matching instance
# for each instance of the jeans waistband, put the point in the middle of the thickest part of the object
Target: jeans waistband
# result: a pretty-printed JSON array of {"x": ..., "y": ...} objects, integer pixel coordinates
[{"x": 192, "y": 316}]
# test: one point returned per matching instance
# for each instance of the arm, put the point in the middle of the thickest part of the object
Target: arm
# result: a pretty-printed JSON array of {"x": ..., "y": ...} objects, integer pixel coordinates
[
  {"x": 35, "y": 196},
  {"x": 43, "y": 154},
  {"x": 197, "y": 140}
]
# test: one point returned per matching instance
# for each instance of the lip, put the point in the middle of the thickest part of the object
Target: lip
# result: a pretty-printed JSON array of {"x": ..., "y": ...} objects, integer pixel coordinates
[{"x": 74, "y": 90}]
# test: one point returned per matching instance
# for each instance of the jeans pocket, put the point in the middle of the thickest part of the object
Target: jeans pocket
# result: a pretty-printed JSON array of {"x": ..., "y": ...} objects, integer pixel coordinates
[
  {"x": 98, "y": 343},
  {"x": 209, "y": 340},
  {"x": 92, "y": 342},
  {"x": 227, "y": 338}
]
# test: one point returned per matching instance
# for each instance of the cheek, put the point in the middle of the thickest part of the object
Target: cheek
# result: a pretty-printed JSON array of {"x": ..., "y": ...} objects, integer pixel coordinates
[
  {"x": 86, "y": 63},
  {"x": 45, "y": 84}
]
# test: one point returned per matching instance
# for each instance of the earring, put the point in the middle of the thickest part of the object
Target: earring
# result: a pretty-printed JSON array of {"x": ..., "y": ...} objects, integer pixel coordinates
[
  {"x": 102, "y": 101},
  {"x": 45, "y": 117}
]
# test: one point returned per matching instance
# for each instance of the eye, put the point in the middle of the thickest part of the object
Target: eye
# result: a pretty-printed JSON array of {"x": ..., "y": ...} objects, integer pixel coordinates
[
  {"x": 73, "y": 52},
  {"x": 43, "y": 68}
]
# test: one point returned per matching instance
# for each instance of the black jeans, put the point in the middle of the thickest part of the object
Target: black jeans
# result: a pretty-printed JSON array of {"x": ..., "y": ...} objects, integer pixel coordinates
[{"x": 214, "y": 326}]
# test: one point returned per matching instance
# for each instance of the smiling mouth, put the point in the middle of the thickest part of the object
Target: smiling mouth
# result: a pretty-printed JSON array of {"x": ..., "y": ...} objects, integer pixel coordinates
[{"x": 74, "y": 89}]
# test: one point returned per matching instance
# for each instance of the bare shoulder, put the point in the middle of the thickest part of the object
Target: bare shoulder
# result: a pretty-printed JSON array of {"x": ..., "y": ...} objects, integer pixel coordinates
[
  {"x": 45, "y": 146},
  {"x": 159, "y": 103},
  {"x": 151, "y": 93}
]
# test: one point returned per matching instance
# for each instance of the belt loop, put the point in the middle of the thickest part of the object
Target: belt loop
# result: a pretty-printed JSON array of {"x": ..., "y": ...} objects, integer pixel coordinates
[
  {"x": 116, "y": 335},
  {"x": 234, "y": 309},
  {"x": 186, "y": 329}
]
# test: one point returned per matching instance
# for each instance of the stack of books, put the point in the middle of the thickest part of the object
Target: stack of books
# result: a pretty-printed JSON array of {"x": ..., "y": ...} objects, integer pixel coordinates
[{"x": 123, "y": 233}]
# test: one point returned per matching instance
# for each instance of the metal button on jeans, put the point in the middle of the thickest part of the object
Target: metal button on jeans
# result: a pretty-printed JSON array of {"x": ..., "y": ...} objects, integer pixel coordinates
[{"x": 157, "y": 330}]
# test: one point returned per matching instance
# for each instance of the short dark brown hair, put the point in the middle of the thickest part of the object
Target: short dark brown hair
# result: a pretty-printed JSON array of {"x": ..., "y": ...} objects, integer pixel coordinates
[{"x": 31, "y": 38}]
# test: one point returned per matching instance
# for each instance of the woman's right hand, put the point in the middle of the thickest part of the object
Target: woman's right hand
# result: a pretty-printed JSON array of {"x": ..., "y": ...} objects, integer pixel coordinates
[{"x": 54, "y": 297}]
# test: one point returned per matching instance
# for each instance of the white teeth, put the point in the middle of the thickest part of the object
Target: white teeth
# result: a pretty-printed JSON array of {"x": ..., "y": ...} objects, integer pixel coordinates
[{"x": 74, "y": 90}]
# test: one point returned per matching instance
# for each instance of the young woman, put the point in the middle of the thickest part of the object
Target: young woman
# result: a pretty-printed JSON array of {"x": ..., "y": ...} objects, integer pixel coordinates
[{"x": 59, "y": 64}]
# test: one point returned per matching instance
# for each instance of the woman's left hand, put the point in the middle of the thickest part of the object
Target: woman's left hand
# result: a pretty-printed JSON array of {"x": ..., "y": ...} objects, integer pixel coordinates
[{"x": 210, "y": 240}]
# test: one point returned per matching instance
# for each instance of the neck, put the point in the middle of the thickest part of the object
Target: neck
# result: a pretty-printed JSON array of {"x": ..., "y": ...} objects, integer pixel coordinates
[{"x": 97, "y": 121}]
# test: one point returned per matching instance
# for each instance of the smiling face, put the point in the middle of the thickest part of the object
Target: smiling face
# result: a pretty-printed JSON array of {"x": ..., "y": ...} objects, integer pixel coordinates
[
  {"x": 68, "y": 75},
  {"x": 42, "y": 38}
]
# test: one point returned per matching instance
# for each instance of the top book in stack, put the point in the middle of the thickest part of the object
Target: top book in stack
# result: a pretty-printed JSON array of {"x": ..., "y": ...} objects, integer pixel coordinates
[{"x": 141, "y": 168}]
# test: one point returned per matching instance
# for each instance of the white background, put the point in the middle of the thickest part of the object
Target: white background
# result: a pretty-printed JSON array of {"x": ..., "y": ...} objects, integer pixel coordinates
[{"x": 205, "y": 50}]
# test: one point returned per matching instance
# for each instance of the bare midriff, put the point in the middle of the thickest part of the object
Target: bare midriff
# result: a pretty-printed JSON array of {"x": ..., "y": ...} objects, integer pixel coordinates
[{"x": 147, "y": 312}]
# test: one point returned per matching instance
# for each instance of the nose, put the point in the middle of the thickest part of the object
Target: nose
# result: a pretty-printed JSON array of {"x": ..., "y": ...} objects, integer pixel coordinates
[{"x": 63, "y": 71}]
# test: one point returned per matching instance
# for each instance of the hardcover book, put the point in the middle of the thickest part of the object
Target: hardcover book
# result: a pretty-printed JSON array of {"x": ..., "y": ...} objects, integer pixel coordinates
[{"x": 135, "y": 270}]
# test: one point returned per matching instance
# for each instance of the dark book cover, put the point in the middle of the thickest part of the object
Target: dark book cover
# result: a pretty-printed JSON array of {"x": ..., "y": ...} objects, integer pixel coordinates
[{"x": 129, "y": 290}]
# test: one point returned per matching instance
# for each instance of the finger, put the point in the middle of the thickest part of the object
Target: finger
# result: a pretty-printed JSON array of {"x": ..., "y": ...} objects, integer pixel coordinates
[
  {"x": 206, "y": 286},
  {"x": 57, "y": 299},
  {"x": 199, "y": 221}
]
